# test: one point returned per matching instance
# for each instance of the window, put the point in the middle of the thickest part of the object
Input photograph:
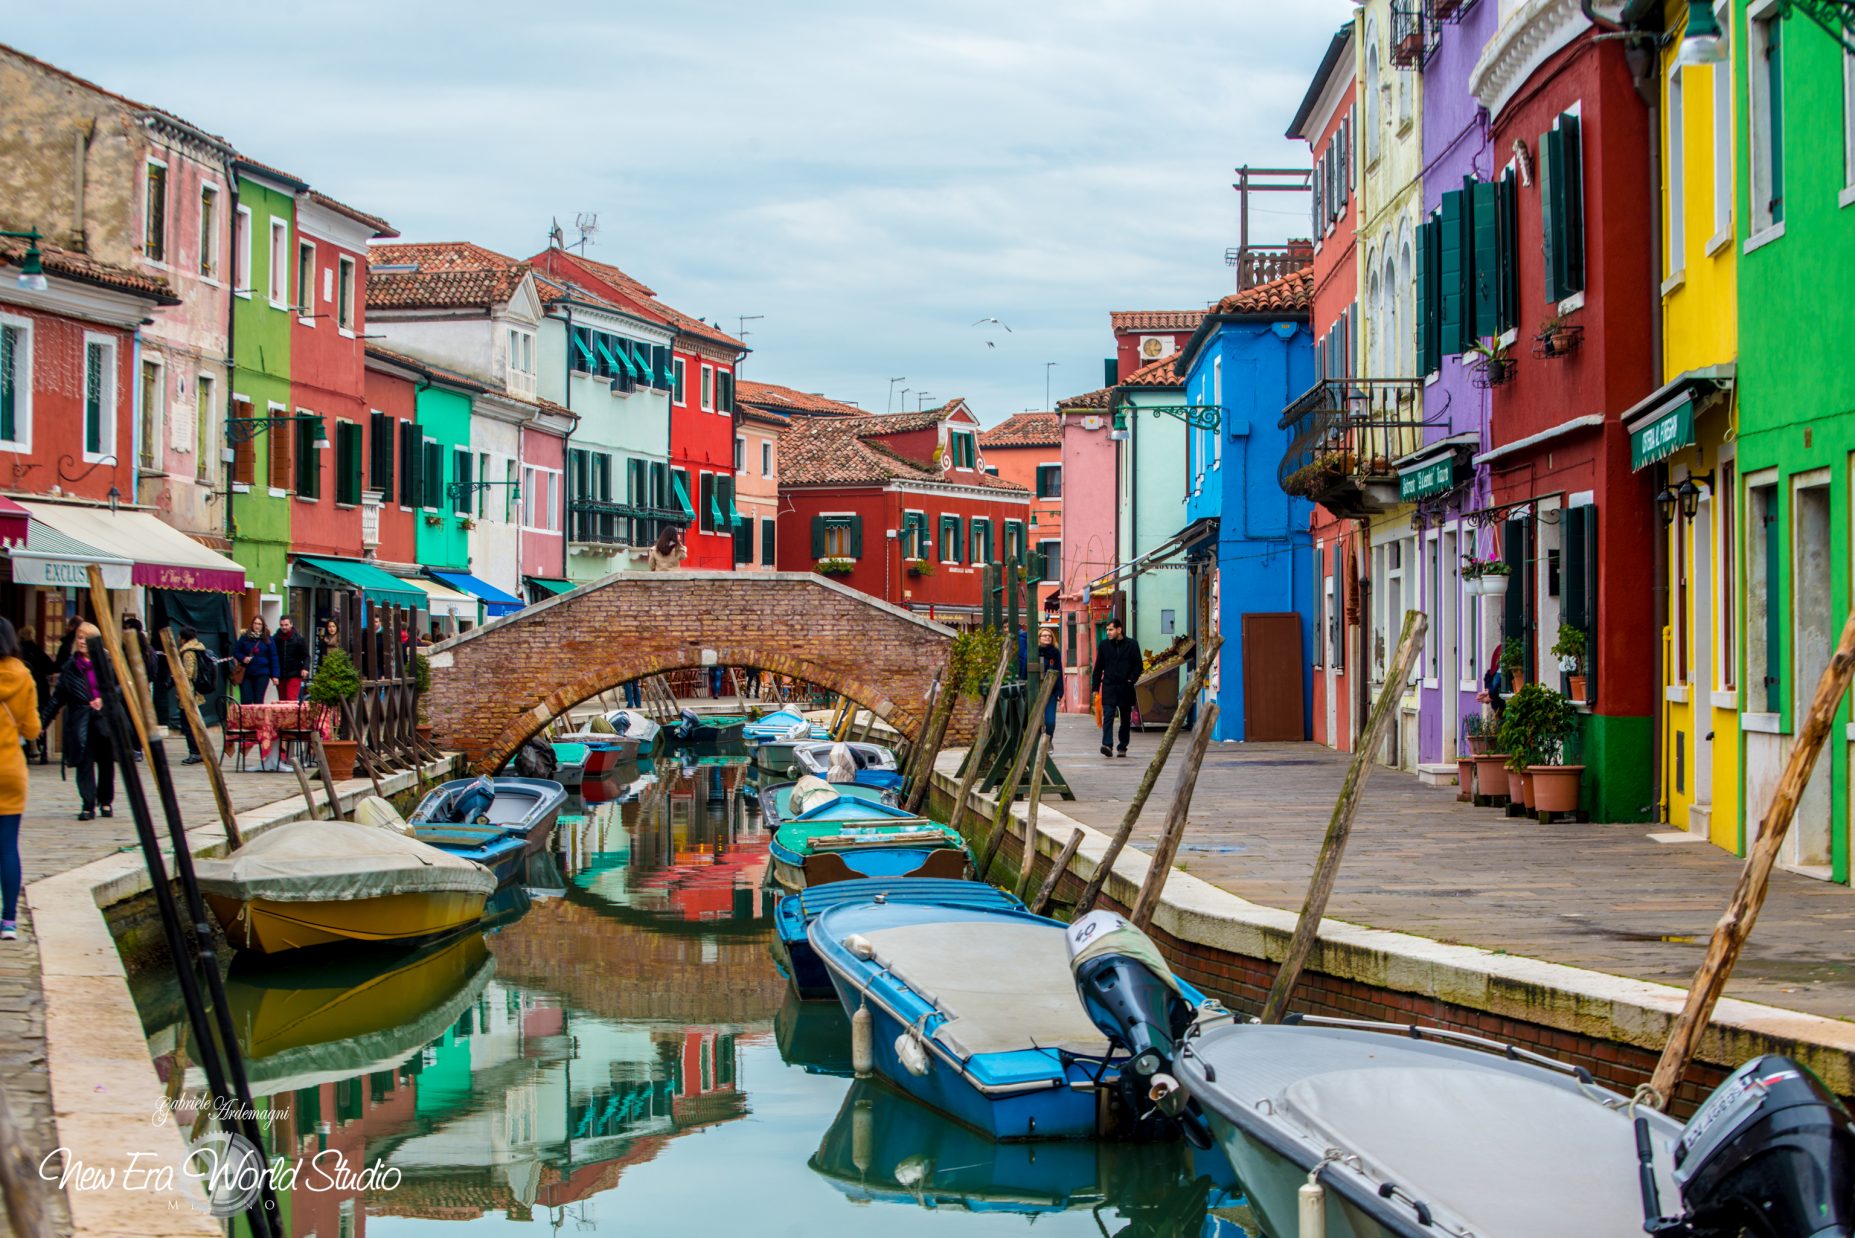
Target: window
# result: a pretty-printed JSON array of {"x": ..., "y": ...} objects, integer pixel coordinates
[
  {"x": 1722, "y": 75},
  {"x": 1049, "y": 481},
  {"x": 708, "y": 388},
  {"x": 1764, "y": 613},
  {"x": 241, "y": 252},
  {"x": 280, "y": 438},
  {"x": 279, "y": 276},
  {"x": 743, "y": 532},
  {"x": 707, "y": 514},
  {"x": 1675, "y": 178},
  {"x": 837, "y": 537},
  {"x": 209, "y": 231},
  {"x": 154, "y": 211},
  {"x": 528, "y": 497},
  {"x": 205, "y": 416},
  {"x": 1014, "y": 541},
  {"x": 766, "y": 457},
  {"x": 431, "y": 475},
  {"x": 1371, "y": 94},
  {"x": 1216, "y": 452},
  {"x": 153, "y": 393},
  {"x": 16, "y": 382},
  {"x": 460, "y": 473},
  {"x": 965, "y": 450},
  {"x": 915, "y": 541},
  {"x": 305, "y": 280},
  {"x": 411, "y": 463},
  {"x": 483, "y": 494},
  {"x": 344, "y": 293},
  {"x": 99, "y": 397},
  {"x": 1726, "y": 582},
  {"x": 1765, "y": 68},
  {"x": 550, "y": 518},
  {"x": 1561, "y": 198},
  {"x": 768, "y": 542},
  {"x": 724, "y": 391},
  {"x": 380, "y": 452},
  {"x": 676, "y": 387},
  {"x": 740, "y": 453},
  {"x": 308, "y": 456},
  {"x": 348, "y": 436},
  {"x": 1051, "y": 552},
  {"x": 951, "y": 530},
  {"x": 982, "y": 540}
]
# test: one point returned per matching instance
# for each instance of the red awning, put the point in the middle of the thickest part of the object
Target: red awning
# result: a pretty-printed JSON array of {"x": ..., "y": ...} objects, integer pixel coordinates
[{"x": 14, "y": 521}]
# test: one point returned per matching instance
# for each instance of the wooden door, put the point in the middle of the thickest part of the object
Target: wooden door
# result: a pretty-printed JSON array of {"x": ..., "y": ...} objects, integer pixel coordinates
[{"x": 1273, "y": 701}]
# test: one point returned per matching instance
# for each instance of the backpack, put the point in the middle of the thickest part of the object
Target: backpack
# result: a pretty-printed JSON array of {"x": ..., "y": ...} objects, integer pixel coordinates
[{"x": 205, "y": 674}]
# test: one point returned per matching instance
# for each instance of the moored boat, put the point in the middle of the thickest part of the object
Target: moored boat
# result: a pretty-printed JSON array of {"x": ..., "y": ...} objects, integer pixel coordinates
[
  {"x": 692, "y": 729},
  {"x": 569, "y": 763},
  {"x": 795, "y": 913},
  {"x": 605, "y": 751},
  {"x": 634, "y": 724},
  {"x": 875, "y": 763},
  {"x": 826, "y": 833},
  {"x": 316, "y": 883},
  {"x": 784, "y": 724}
]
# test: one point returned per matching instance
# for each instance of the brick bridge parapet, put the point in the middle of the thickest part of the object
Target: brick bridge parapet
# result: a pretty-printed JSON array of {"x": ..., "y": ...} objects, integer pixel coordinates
[{"x": 497, "y": 685}]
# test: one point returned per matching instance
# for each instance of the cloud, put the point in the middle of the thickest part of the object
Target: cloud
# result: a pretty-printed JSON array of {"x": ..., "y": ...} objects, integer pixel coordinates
[{"x": 870, "y": 178}]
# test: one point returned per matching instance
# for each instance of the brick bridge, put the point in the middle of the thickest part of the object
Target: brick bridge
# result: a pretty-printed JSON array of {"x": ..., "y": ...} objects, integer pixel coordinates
[{"x": 496, "y": 686}]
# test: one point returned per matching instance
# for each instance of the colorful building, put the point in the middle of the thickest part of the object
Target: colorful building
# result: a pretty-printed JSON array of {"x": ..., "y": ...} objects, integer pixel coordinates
[
  {"x": 1027, "y": 448},
  {"x": 756, "y": 486},
  {"x": 1090, "y": 547},
  {"x": 1150, "y": 506},
  {"x": 1142, "y": 337}
]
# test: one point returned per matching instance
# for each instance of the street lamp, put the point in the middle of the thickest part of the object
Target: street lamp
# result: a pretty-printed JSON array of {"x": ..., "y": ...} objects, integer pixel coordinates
[
  {"x": 32, "y": 266},
  {"x": 1689, "y": 494},
  {"x": 1703, "y": 44},
  {"x": 1118, "y": 434},
  {"x": 1665, "y": 504}
]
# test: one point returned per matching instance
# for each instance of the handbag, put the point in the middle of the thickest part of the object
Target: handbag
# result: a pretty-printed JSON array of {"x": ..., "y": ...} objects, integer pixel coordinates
[{"x": 238, "y": 674}]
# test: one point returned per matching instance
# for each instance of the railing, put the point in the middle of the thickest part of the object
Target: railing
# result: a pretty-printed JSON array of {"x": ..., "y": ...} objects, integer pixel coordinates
[
  {"x": 605, "y": 522},
  {"x": 1414, "y": 33},
  {"x": 1347, "y": 435},
  {"x": 384, "y": 716},
  {"x": 1261, "y": 264}
]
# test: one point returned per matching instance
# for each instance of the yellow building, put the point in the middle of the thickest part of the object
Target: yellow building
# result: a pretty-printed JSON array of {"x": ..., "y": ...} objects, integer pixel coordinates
[{"x": 1682, "y": 438}]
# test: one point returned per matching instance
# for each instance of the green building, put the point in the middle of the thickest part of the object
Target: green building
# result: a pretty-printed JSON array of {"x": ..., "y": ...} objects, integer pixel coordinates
[
  {"x": 1152, "y": 504},
  {"x": 441, "y": 537},
  {"x": 1795, "y": 229},
  {"x": 264, "y": 288}
]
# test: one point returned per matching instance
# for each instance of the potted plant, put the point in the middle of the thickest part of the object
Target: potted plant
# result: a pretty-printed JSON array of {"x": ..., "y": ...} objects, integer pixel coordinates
[
  {"x": 1535, "y": 730},
  {"x": 1556, "y": 337},
  {"x": 1491, "y": 777},
  {"x": 1492, "y": 363},
  {"x": 919, "y": 567},
  {"x": 336, "y": 681},
  {"x": 466, "y": 523},
  {"x": 1512, "y": 669},
  {"x": 1485, "y": 577},
  {"x": 1570, "y": 650},
  {"x": 421, "y": 684},
  {"x": 836, "y": 567},
  {"x": 433, "y": 519}
]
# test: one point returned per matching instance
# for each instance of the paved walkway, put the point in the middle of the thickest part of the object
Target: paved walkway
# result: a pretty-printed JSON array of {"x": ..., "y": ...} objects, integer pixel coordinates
[{"x": 1604, "y": 897}]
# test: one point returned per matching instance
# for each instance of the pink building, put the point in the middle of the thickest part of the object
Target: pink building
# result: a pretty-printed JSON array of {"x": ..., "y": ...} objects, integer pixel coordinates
[
  {"x": 1090, "y": 466},
  {"x": 544, "y": 461},
  {"x": 756, "y": 486}
]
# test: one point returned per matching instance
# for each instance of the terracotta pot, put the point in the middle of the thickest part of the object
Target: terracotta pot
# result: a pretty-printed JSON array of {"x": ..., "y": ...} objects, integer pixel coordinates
[
  {"x": 1479, "y": 745},
  {"x": 1516, "y": 787},
  {"x": 1580, "y": 684},
  {"x": 1490, "y": 774},
  {"x": 340, "y": 757},
  {"x": 1526, "y": 788},
  {"x": 1518, "y": 681},
  {"x": 1465, "y": 779},
  {"x": 425, "y": 732},
  {"x": 1555, "y": 787}
]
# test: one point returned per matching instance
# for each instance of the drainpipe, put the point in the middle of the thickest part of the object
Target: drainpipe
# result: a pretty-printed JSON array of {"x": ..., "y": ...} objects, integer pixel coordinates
[
  {"x": 566, "y": 441},
  {"x": 231, "y": 360},
  {"x": 135, "y": 416}
]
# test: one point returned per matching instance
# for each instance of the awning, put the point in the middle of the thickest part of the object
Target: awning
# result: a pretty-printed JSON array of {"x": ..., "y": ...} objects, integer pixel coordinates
[
  {"x": 1152, "y": 558},
  {"x": 442, "y": 600},
  {"x": 716, "y": 516},
  {"x": 682, "y": 496},
  {"x": 1436, "y": 476},
  {"x": 52, "y": 559},
  {"x": 734, "y": 513},
  {"x": 1663, "y": 424},
  {"x": 495, "y": 601},
  {"x": 13, "y": 522},
  {"x": 586, "y": 354},
  {"x": 379, "y": 587},
  {"x": 164, "y": 557},
  {"x": 551, "y": 584}
]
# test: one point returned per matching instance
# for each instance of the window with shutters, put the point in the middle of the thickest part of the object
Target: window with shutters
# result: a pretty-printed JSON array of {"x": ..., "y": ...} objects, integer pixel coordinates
[
  {"x": 708, "y": 388},
  {"x": 99, "y": 397},
  {"x": 308, "y": 454},
  {"x": 914, "y": 535},
  {"x": 241, "y": 252},
  {"x": 1561, "y": 197},
  {"x": 837, "y": 537},
  {"x": 245, "y": 448},
  {"x": 1372, "y": 88},
  {"x": 769, "y": 543},
  {"x": 1765, "y": 74},
  {"x": 280, "y": 443},
  {"x": 982, "y": 540},
  {"x": 16, "y": 383},
  {"x": 1051, "y": 553},
  {"x": 380, "y": 429},
  {"x": 460, "y": 471},
  {"x": 431, "y": 475},
  {"x": 707, "y": 515},
  {"x": 306, "y": 282},
  {"x": 205, "y": 428},
  {"x": 344, "y": 294},
  {"x": 743, "y": 538},
  {"x": 950, "y": 539},
  {"x": 348, "y": 436},
  {"x": 724, "y": 391},
  {"x": 411, "y": 463},
  {"x": 209, "y": 231},
  {"x": 965, "y": 450},
  {"x": 676, "y": 382},
  {"x": 277, "y": 277},
  {"x": 1014, "y": 541},
  {"x": 1764, "y": 609},
  {"x": 154, "y": 211},
  {"x": 1049, "y": 481}
]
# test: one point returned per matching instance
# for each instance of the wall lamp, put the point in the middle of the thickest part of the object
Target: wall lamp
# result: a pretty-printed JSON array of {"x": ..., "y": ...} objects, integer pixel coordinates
[
  {"x": 1119, "y": 434},
  {"x": 1702, "y": 44},
  {"x": 32, "y": 266},
  {"x": 1665, "y": 504},
  {"x": 1689, "y": 493}
]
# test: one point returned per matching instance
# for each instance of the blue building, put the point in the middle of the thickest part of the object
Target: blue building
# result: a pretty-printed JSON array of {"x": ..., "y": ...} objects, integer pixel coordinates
[{"x": 1249, "y": 552}]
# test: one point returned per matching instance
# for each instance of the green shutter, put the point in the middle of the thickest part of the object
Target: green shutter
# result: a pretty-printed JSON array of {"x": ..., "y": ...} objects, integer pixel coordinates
[
  {"x": 352, "y": 473},
  {"x": 1575, "y": 612},
  {"x": 580, "y": 336},
  {"x": 705, "y": 495},
  {"x": 9, "y": 379},
  {"x": 856, "y": 537},
  {"x": 1426, "y": 309},
  {"x": 998, "y": 541},
  {"x": 1771, "y": 672},
  {"x": 1514, "y": 553},
  {"x": 434, "y": 475},
  {"x": 817, "y": 537},
  {"x": 1486, "y": 269},
  {"x": 1449, "y": 273},
  {"x": 769, "y": 545},
  {"x": 1588, "y": 578},
  {"x": 462, "y": 462},
  {"x": 1571, "y": 203},
  {"x": 1551, "y": 212},
  {"x": 1507, "y": 252},
  {"x": 93, "y": 398}
]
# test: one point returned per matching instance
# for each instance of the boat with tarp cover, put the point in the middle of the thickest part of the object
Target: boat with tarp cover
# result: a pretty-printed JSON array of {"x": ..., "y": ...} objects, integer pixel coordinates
[
  {"x": 825, "y": 832},
  {"x": 795, "y": 913}
]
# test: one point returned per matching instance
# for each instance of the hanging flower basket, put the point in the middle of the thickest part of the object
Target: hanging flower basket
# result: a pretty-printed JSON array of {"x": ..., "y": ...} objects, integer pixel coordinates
[
  {"x": 1557, "y": 340},
  {"x": 1488, "y": 584},
  {"x": 1494, "y": 372},
  {"x": 919, "y": 567}
]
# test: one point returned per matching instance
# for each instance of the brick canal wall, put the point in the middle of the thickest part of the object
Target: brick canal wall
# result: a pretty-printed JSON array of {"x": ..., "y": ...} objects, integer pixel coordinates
[
  {"x": 496, "y": 686},
  {"x": 1230, "y": 948}
]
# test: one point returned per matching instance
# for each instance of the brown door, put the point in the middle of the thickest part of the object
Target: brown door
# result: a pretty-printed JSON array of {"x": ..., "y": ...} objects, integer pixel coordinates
[{"x": 1272, "y": 673}]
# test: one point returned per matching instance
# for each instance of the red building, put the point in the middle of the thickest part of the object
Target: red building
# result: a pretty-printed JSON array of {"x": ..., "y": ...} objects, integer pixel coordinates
[
  {"x": 1325, "y": 122},
  {"x": 388, "y": 531},
  {"x": 1142, "y": 337},
  {"x": 702, "y": 395},
  {"x": 899, "y": 506},
  {"x": 1576, "y": 526},
  {"x": 790, "y": 402},
  {"x": 1027, "y": 448}
]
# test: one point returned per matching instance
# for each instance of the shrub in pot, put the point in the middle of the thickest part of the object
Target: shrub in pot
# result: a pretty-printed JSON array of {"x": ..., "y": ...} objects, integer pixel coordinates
[
  {"x": 1512, "y": 660},
  {"x": 1569, "y": 648},
  {"x": 336, "y": 681},
  {"x": 1535, "y": 730}
]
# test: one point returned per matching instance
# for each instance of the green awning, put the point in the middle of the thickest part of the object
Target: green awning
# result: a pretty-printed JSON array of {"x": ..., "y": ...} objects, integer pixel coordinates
[
  {"x": 623, "y": 353},
  {"x": 715, "y": 517},
  {"x": 682, "y": 495},
  {"x": 585, "y": 352},
  {"x": 1436, "y": 476},
  {"x": 734, "y": 513},
  {"x": 550, "y": 584},
  {"x": 378, "y": 587},
  {"x": 1662, "y": 437}
]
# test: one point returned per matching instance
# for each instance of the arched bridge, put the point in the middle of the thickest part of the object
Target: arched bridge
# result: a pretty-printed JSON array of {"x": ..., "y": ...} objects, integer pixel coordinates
[{"x": 496, "y": 686}]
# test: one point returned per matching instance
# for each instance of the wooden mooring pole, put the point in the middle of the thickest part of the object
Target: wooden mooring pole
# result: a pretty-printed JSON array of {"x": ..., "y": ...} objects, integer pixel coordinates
[
  {"x": 1729, "y": 935},
  {"x": 202, "y": 739},
  {"x": 1170, "y": 835},
  {"x": 1340, "y": 825},
  {"x": 1027, "y": 858},
  {"x": 982, "y": 734},
  {"x": 1034, "y": 741},
  {"x": 1047, "y": 890}
]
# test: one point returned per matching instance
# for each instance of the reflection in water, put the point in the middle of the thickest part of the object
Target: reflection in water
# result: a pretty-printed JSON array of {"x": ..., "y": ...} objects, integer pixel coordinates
[{"x": 622, "y": 1004}]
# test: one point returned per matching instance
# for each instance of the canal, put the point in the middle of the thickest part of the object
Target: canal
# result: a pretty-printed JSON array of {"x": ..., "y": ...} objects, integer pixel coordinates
[{"x": 616, "y": 1053}]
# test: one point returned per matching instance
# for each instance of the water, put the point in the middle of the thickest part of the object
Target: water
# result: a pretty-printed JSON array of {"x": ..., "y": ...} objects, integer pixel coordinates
[{"x": 617, "y": 1054}]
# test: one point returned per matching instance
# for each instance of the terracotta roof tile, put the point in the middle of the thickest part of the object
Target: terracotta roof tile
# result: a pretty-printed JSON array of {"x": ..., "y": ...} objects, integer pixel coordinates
[
  {"x": 903, "y": 423},
  {"x": 1156, "y": 320},
  {"x": 622, "y": 284},
  {"x": 68, "y": 264},
  {"x": 288, "y": 178},
  {"x": 790, "y": 402},
  {"x": 1291, "y": 294},
  {"x": 1024, "y": 430},
  {"x": 1098, "y": 398},
  {"x": 443, "y": 373},
  {"x": 1161, "y": 373},
  {"x": 449, "y": 273},
  {"x": 827, "y": 451}
]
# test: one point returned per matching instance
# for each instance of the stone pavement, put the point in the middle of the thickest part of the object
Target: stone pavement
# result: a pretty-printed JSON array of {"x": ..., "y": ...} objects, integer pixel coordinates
[
  {"x": 1603, "y": 897},
  {"x": 53, "y": 841}
]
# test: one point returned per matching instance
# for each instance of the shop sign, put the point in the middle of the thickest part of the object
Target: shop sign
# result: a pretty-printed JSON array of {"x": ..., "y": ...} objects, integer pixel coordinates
[
  {"x": 66, "y": 573},
  {"x": 1436, "y": 477},
  {"x": 1662, "y": 437}
]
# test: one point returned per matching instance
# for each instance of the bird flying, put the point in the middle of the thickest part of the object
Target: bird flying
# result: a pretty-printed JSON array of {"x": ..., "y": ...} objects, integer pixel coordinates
[{"x": 983, "y": 321}]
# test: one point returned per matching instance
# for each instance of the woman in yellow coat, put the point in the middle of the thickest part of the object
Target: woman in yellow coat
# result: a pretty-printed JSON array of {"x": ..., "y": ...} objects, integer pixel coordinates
[{"x": 19, "y": 725}]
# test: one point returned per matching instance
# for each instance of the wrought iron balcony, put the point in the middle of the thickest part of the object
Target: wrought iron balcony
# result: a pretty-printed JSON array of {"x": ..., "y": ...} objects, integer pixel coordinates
[
  {"x": 1415, "y": 32},
  {"x": 606, "y": 522},
  {"x": 1347, "y": 435}
]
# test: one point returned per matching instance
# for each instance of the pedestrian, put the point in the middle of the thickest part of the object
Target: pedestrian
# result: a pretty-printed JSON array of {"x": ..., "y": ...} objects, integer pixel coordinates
[
  {"x": 254, "y": 661},
  {"x": 42, "y": 668},
  {"x": 1050, "y": 659},
  {"x": 19, "y": 726},
  {"x": 634, "y": 695},
  {"x": 292, "y": 660},
  {"x": 1117, "y": 667},
  {"x": 86, "y": 746},
  {"x": 717, "y": 681},
  {"x": 197, "y": 664},
  {"x": 328, "y": 637},
  {"x": 669, "y": 552}
]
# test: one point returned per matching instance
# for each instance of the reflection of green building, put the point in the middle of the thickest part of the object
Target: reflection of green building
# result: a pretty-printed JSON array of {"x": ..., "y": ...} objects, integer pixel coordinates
[
  {"x": 1794, "y": 228},
  {"x": 444, "y": 423},
  {"x": 264, "y": 289}
]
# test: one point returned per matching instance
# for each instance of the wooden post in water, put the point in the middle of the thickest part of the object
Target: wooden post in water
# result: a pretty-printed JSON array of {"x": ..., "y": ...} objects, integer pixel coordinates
[
  {"x": 1119, "y": 842},
  {"x": 1729, "y": 935},
  {"x": 982, "y": 733},
  {"x": 1170, "y": 834},
  {"x": 112, "y": 647},
  {"x": 1340, "y": 825},
  {"x": 1033, "y": 740},
  {"x": 328, "y": 778},
  {"x": 1058, "y": 867},
  {"x": 309, "y": 799},
  {"x": 1028, "y": 856},
  {"x": 202, "y": 739},
  {"x": 926, "y": 751}
]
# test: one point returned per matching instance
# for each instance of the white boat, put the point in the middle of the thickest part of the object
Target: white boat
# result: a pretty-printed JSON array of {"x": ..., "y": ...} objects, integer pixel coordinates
[{"x": 635, "y": 725}]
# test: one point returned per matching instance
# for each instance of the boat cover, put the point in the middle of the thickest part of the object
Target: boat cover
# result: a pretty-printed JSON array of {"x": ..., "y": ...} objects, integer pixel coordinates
[
  {"x": 1003, "y": 986},
  {"x": 810, "y": 792},
  {"x": 631, "y": 722},
  {"x": 372, "y": 810},
  {"x": 322, "y": 861}
]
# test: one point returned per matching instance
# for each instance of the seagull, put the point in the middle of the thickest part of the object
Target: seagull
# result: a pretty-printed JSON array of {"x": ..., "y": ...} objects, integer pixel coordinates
[{"x": 983, "y": 321}]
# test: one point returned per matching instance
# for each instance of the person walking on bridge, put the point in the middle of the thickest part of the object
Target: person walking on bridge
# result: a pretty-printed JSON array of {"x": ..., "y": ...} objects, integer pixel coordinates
[{"x": 1117, "y": 668}]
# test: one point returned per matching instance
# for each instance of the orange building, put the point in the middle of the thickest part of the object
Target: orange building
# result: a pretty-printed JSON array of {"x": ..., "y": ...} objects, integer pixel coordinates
[{"x": 1027, "y": 448}]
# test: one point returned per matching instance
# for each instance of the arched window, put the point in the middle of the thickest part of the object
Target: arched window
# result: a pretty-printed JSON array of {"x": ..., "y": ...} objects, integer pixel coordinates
[
  {"x": 1371, "y": 92},
  {"x": 1393, "y": 334},
  {"x": 1375, "y": 320},
  {"x": 1407, "y": 298}
]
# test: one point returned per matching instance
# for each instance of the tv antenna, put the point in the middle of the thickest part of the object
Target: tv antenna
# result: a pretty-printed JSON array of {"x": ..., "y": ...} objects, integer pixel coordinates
[
  {"x": 586, "y": 223},
  {"x": 890, "y": 406},
  {"x": 556, "y": 238}
]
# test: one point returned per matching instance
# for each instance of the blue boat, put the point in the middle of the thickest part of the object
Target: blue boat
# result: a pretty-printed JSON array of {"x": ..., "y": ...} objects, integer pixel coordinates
[
  {"x": 500, "y": 835},
  {"x": 795, "y": 913},
  {"x": 875, "y": 764},
  {"x": 838, "y": 832},
  {"x": 975, "y": 1013},
  {"x": 784, "y": 725}
]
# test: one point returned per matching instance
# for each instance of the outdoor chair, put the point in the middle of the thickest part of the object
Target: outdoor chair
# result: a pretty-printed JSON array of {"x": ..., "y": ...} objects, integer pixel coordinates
[
  {"x": 297, "y": 738},
  {"x": 235, "y": 734}
]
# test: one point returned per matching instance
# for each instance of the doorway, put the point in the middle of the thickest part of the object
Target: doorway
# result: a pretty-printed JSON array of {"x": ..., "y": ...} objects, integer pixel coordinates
[
  {"x": 1811, "y": 637},
  {"x": 1448, "y": 612},
  {"x": 1700, "y": 668}
]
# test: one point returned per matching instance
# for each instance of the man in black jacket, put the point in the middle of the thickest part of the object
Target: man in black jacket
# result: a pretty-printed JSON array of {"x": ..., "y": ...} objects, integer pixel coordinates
[
  {"x": 1117, "y": 667},
  {"x": 292, "y": 660}
]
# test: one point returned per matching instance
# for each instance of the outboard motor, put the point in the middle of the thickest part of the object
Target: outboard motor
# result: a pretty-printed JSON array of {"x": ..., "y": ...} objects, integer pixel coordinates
[
  {"x": 1771, "y": 1153},
  {"x": 688, "y": 724},
  {"x": 1132, "y": 996}
]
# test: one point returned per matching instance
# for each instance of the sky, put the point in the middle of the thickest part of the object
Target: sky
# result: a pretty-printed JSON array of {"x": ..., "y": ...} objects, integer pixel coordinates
[{"x": 862, "y": 181}]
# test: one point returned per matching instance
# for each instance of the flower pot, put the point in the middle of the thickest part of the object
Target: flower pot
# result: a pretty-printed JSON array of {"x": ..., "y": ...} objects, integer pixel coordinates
[
  {"x": 1516, "y": 681},
  {"x": 1465, "y": 779},
  {"x": 1555, "y": 787},
  {"x": 1493, "y": 586},
  {"x": 340, "y": 754},
  {"x": 425, "y": 732},
  {"x": 1580, "y": 685},
  {"x": 1526, "y": 788},
  {"x": 1516, "y": 786},
  {"x": 1490, "y": 775},
  {"x": 1479, "y": 745}
]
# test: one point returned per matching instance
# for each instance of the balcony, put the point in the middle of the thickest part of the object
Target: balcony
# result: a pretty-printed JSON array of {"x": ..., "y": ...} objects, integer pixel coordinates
[
  {"x": 1416, "y": 30},
  {"x": 1347, "y": 435},
  {"x": 1260, "y": 264},
  {"x": 608, "y": 526}
]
